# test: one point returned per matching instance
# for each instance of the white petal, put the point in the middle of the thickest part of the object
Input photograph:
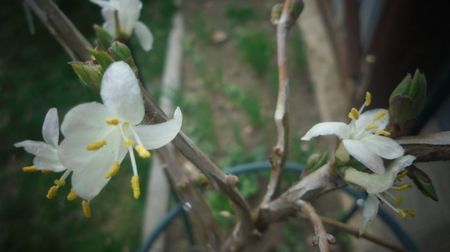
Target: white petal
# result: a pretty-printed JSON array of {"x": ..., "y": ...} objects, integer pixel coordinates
[
  {"x": 121, "y": 92},
  {"x": 399, "y": 164},
  {"x": 384, "y": 147},
  {"x": 50, "y": 128},
  {"x": 370, "y": 211},
  {"x": 157, "y": 135},
  {"x": 41, "y": 149},
  {"x": 102, "y": 3},
  {"x": 360, "y": 152},
  {"x": 87, "y": 122},
  {"x": 339, "y": 129},
  {"x": 144, "y": 36},
  {"x": 366, "y": 118},
  {"x": 48, "y": 164},
  {"x": 129, "y": 12}
]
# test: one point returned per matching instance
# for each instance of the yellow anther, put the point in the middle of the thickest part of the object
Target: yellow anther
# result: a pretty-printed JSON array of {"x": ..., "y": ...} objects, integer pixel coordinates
[
  {"x": 72, "y": 195},
  {"x": 52, "y": 192},
  {"x": 128, "y": 143},
  {"x": 136, "y": 187},
  {"x": 379, "y": 115},
  {"x": 398, "y": 201},
  {"x": 96, "y": 145},
  {"x": 410, "y": 212},
  {"x": 31, "y": 168},
  {"x": 86, "y": 209},
  {"x": 112, "y": 121},
  {"x": 353, "y": 114},
  {"x": 383, "y": 133},
  {"x": 60, "y": 182},
  {"x": 368, "y": 100},
  {"x": 142, "y": 151},
  {"x": 401, "y": 175},
  {"x": 114, "y": 170},
  {"x": 371, "y": 127},
  {"x": 401, "y": 187},
  {"x": 401, "y": 212}
]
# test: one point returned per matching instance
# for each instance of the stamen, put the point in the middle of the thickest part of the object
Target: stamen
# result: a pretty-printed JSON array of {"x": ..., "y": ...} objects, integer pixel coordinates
[
  {"x": 86, "y": 209},
  {"x": 368, "y": 100},
  {"x": 128, "y": 142},
  {"x": 354, "y": 114},
  {"x": 52, "y": 192},
  {"x": 401, "y": 212},
  {"x": 401, "y": 187},
  {"x": 383, "y": 133},
  {"x": 397, "y": 200},
  {"x": 388, "y": 203},
  {"x": 60, "y": 182},
  {"x": 371, "y": 127},
  {"x": 95, "y": 145},
  {"x": 112, "y": 121},
  {"x": 379, "y": 115},
  {"x": 31, "y": 168},
  {"x": 136, "y": 187},
  {"x": 72, "y": 195},
  {"x": 410, "y": 212},
  {"x": 142, "y": 152},
  {"x": 401, "y": 175},
  {"x": 114, "y": 170}
]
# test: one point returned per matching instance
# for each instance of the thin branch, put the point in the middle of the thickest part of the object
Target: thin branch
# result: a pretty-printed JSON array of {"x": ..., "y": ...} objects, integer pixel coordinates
[
  {"x": 428, "y": 147},
  {"x": 321, "y": 234},
  {"x": 354, "y": 231}
]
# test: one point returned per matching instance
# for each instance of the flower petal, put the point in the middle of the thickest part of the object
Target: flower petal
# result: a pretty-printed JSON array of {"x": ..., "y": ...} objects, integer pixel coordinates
[
  {"x": 339, "y": 129},
  {"x": 144, "y": 36},
  {"x": 39, "y": 149},
  {"x": 129, "y": 12},
  {"x": 384, "y": 147},
  {"x": 363, "y": 154},
  {"x": 53, "y": 165},
  {"x": 370, "y": 211},
  {"x": 121, "y": 93},
  {"x": 50, "y": 128},
  {"x": 157, "y": 135},
  {"x": 367, "y": 117}
]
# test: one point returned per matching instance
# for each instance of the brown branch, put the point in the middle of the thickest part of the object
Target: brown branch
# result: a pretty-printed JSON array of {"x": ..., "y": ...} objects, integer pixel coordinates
[
  {"x": 429, "y": 147},
  {"x": 354, "y": 231},
  {"x": 321, "y": 235}
]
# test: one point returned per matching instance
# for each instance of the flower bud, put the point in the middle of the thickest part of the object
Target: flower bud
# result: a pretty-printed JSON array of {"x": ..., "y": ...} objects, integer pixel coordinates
[
  {"x": 423, "y": 182},
  {"x": 102, "y": 58},
  {"x": 89, "y": 74},
  {"x": 104, "y": 40},
  {"x": 120, "y": 52}
]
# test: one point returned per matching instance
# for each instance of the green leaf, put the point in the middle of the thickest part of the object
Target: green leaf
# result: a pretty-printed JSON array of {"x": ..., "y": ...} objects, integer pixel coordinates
[
  {"x": 423, "y": 182},
  {"x": 89, "y": 74},
  {"x": 104, "y": 40}
]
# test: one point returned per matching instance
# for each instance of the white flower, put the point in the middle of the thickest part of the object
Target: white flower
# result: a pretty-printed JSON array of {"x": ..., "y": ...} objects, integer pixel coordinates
[
  {"x": 378, "y": 184},
  {"x": 128, "y": 12},
  {"x": 364, "y": 137},
  {"x": 98, "y": 136},
  {"x": 46, "y": 152}
]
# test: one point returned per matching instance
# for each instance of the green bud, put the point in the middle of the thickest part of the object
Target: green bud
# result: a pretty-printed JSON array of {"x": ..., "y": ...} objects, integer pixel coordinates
[
  {"x": 295, "y": 9},
  {"x": 104, "y": 40},
  {"x": 120, "y": 51},
  {"x": 407, "y": 101},
  {"x": 89, "y": 74},
  {"x": 102, "y": 58},
  {"x": 276, "y": 13},
  {"x": 423, "y": 182}
]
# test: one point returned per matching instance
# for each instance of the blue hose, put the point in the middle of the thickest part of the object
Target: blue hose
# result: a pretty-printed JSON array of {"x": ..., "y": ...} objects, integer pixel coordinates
[{"x": 401, "y": 235}]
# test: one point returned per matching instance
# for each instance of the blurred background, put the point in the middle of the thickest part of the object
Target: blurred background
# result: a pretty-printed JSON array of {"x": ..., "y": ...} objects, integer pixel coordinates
[{"x": 228, "y": 91}]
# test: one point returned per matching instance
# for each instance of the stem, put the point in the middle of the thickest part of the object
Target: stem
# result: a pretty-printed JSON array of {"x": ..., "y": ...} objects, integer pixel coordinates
[{"x": 319, "y": 229}]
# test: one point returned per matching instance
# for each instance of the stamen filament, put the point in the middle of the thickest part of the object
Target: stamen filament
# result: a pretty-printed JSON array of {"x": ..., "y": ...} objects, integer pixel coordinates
[
  {"x": 114, "y": 170},
  {"x": 388, "y": 204},
  {"x": 136, "y": 187},
  {"x": 95, "y": 145},
  {"x": 31, "y": 168},
  {"x": 133, "y": 161},
  {"x": 72, "y": 195},
  {"x": 383, "y": 133},
  {"x": 86, "y": 209},
  {"x": 112, "y": 121}
]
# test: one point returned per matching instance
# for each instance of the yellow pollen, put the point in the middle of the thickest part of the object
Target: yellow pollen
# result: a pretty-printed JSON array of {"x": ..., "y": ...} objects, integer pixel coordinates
[
  {"x": 383, "y": 133},
  {"x": 368, "y": 100},
  {"x": 31, "y": 168},
  {"x": 379, "y": 115},
  {"x": 410, "y": 212},
  {"x": 402, "y": 213},
  {"x": 60, "y": 182},
  {"x": 52, "y": 192},
  {"x": 112, "y": 121},
  {"x": 86, "y": 209},
  {"x": 72, "y": 195},
  {"x": 114, "y": 170},
  {"x": 401, "y": 175},
  {"x": 142, "y": 151},
  {"x": 371, "y": 127},
  {"x": 136, "y": 187},
  {"x": 95, "y": 145},
  {"x": 354, "y": 114},
  {"x": 128, "y": 143},
  {"x": 401, "y": 187}
]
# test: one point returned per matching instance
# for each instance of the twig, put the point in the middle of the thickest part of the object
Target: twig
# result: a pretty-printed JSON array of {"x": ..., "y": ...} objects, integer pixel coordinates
[
  {"x": 354, "y": 231},
  {"x": 321, "y": 234},
  {"x": 429, "y": 147}
]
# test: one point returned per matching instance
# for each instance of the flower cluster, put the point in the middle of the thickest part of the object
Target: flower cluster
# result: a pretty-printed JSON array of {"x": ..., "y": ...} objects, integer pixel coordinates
[
  {"x": 121, "y": 20},
  {"x": 366, "y": 139},
  {"x": 99, "y": 136}
]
